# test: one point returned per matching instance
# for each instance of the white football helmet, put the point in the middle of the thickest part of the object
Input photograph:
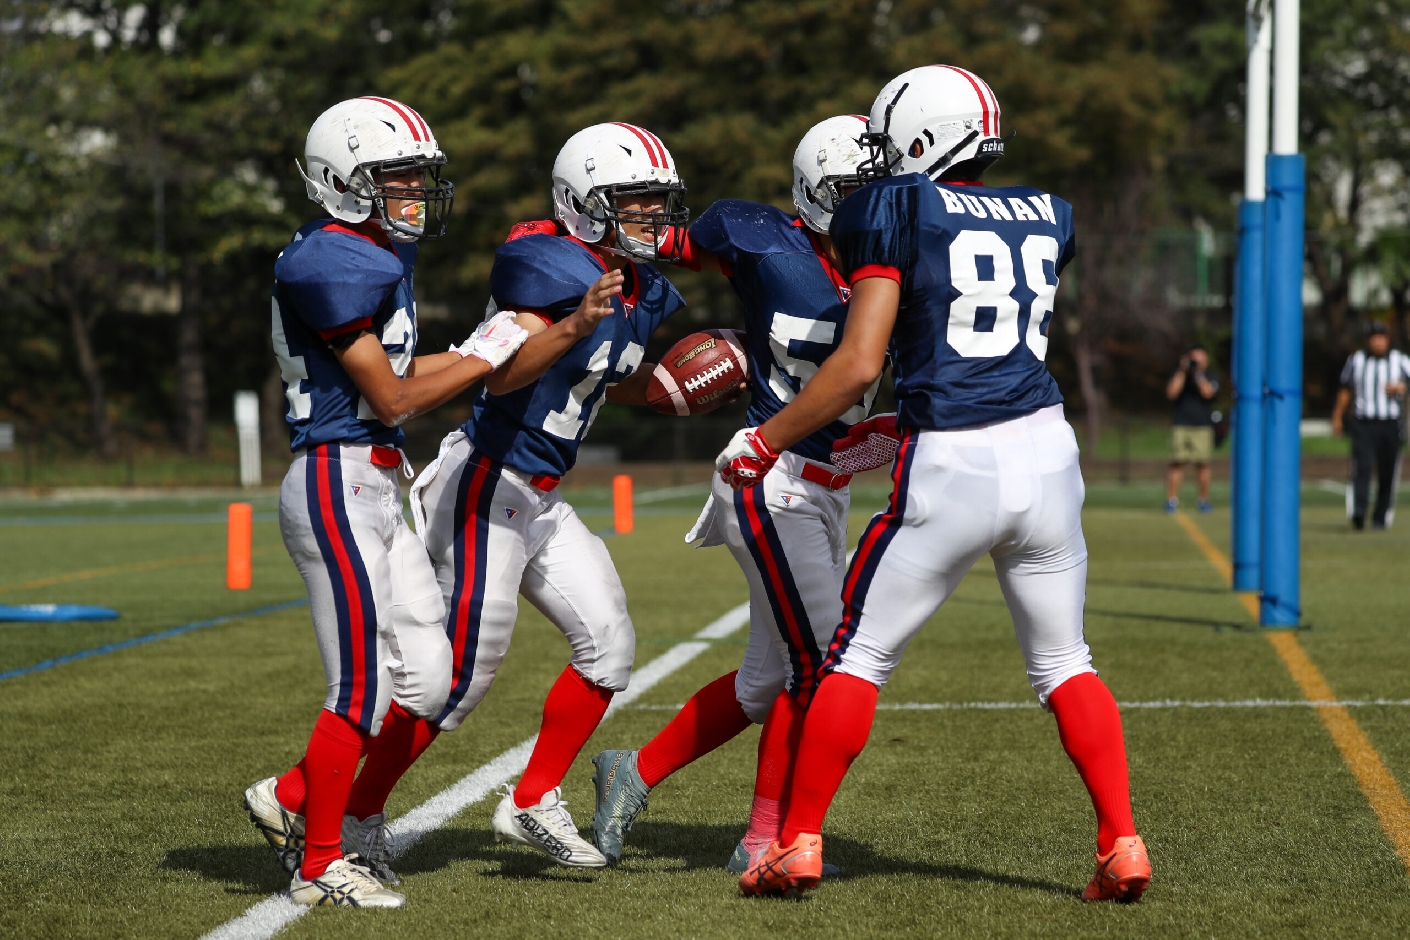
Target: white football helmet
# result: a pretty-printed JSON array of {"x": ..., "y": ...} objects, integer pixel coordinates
[
  {"x": 600, "y": 163},
  {"x": 354, "y": 145},
  {"x": 825, "y": 163},
  {"x": 930, "y": 120}
]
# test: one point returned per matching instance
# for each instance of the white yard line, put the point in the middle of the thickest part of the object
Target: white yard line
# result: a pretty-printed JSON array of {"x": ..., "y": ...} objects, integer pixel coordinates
[{"x": 276, "y": 912}]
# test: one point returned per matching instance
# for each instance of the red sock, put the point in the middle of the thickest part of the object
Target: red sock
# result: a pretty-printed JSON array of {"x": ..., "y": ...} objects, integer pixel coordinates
[
  {"x": 1089, "y": 725},
  {"x": 778, "y": 748},
  {"x": 329, "y": 766},
  {"x": 834, "y": 733},
  {"x": 570, "y": 715},
  {"x": 709, "y": 719},
  {"x": 401, "y": 741},
  {"x": 290, "y": 789}
]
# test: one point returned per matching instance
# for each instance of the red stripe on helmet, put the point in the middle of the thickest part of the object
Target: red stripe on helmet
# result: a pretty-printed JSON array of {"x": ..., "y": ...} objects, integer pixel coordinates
[
  {"x": 398, "y": 108},
  {"x": 425, "y": 128},
  {"x": 665, "y": 157},
  {"x": 645, "y": 141},
  {"x": 974, "y": 82}
]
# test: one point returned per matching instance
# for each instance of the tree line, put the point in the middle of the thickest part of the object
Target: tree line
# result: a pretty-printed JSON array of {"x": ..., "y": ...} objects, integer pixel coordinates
[{"x": 147, "y": 151}]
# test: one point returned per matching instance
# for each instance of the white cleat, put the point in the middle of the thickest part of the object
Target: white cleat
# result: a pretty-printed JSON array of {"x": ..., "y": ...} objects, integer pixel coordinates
[
  {"x": 371, "y": 841},
  {"x": 283, "y": 830},
  {"x": 546, "y": 827},
  {"x": 344, "y": 884}
]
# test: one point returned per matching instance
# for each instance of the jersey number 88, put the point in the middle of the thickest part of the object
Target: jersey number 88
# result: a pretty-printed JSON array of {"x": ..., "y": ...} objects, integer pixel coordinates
[{"x": 984, "y": 318}]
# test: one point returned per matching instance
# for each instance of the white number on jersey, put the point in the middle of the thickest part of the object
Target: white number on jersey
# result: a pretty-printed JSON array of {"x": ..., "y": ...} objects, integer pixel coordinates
[
  {"x": 785, "y": 329},
  {"x": 570, "y": 422},
  {"x": 988, "y": 294},
  {"x": 291, "y": 369}
]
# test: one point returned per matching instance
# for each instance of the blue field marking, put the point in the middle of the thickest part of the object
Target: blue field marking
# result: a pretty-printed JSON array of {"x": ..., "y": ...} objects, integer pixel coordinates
[{"x": 151, "y": 638}]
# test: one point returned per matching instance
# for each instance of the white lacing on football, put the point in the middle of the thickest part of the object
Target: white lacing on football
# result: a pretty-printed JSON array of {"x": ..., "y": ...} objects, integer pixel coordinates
[
  {"x": 701, "y": 379},
  {"x": 874, "y": 450}
]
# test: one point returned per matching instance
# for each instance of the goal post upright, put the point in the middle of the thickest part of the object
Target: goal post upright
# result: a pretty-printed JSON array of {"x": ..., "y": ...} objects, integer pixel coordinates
[
  {"x": 1250, "y": 313},
  {"x": 1280, "y": 604}
]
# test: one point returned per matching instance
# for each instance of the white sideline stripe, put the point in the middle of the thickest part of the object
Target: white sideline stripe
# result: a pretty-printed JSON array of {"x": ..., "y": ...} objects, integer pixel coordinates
[
  {"x": 277, "y": 911},
  {"x": 1162, "y": 703}
]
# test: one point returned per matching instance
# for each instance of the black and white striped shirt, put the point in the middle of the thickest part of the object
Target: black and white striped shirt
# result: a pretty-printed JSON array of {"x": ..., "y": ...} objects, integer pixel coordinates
[{"x": 1367, "y": 376}]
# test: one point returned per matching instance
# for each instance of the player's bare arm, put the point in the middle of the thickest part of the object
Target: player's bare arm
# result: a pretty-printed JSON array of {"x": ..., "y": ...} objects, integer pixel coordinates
[
  {"x": 547, "y": 343},
  {"x": 846, "y": 375},
  {"x": 394, "y": 399}
]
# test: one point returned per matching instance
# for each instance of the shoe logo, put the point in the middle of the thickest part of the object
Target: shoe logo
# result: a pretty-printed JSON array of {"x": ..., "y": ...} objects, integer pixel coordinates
[
  {"x": 536, "y": 831},
  {"x": 510, "y": 513}
]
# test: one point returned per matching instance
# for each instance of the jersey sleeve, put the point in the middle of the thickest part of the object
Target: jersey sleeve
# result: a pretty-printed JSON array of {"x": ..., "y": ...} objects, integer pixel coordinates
[
  {"x": 335, "y": 280},
  {"x": 1348, "y": 371},
  {"x": 537, "y": 273},
  {"x": 734, "y": 227},
  {"x": 874, "y": 229}
]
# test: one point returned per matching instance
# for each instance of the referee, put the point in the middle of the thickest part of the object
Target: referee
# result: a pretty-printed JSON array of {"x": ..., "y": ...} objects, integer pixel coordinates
[{"x": 1375, "y": 378}]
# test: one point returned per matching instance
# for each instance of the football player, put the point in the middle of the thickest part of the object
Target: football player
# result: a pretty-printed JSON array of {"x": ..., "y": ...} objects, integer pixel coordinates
[
  {"x": 493, "y": 523},
  {"x": 789, "y": 534},
  {"x": 344, "y": 330},
  {"x": 959, "y": 279}
]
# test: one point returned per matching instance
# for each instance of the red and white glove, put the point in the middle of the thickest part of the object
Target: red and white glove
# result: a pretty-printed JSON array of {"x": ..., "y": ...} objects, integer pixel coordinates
[
  {"x": 870, "y": 444},
  {"x": 495, "y": 340},
  {"x": 746, "y": 458}
]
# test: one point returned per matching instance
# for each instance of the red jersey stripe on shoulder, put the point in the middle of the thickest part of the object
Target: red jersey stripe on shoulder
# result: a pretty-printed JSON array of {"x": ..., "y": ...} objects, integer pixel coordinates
[
  {"x": 650, "y": 151},
  {"x": 973, "y": 83},
  {"x": 876, "y": 270},
  {"x": 410, "y": 125},
  {"x": 361, "y": 323},
  {"x": 360, "y": 230}
]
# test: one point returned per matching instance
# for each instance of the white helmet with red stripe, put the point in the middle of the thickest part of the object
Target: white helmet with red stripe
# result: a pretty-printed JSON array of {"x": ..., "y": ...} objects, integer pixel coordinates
[
  {"x": 825, "y": 167},
  {"x": 351, "y": 149},
  {"x": 930, "y": 120},
  {"x": 600, "y": 164}
]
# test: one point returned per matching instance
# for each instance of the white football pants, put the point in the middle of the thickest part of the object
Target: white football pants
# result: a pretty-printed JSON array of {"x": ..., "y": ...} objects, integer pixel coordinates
[
  {"x": 492, "y": 535},
  {"x": 377, "y": 610},
  {"x": 1013, "y": 490},
  {"x": 789, "y": 536}
]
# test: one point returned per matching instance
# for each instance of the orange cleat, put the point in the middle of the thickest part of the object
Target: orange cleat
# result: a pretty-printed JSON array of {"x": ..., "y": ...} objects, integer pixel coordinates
[
  {"x": 786, "y": 870},
  {"x": 1122, "y": 874}
]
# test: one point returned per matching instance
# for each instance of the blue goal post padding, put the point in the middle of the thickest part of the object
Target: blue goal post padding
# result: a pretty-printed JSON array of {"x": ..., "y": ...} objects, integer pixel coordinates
[{"x": 56, "y": 612}]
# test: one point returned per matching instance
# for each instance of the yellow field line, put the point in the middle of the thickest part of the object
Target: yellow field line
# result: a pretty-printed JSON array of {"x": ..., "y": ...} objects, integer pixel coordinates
[
  {"x": 89, "y": 573},
  {"x": 1365, "y": 762}
]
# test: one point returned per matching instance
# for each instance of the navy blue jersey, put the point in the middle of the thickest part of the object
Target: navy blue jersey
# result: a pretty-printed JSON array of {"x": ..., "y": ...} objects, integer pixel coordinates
[
  {"x": 537, "y": 429},
  {"x": 979, "y": 269},
  {"x": 795, "y": 303},
  {"x": 331, "y": 279}
]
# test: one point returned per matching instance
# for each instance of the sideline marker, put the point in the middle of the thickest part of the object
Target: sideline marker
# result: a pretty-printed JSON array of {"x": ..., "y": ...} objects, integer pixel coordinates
[
  {"x": 622, "y": 504},
  {"x": 239, "y": 545}
]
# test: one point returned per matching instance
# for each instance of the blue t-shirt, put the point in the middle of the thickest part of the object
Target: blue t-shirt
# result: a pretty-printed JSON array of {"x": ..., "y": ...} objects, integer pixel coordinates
[
  {"x": 979, "y": 270},
  {"x": 537, "y": 429},
  {"x": 329, "y": 279},
  {"x": 795, "y": 304}
]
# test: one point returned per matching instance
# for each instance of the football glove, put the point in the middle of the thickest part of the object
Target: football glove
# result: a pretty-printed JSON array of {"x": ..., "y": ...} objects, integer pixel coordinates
[
  {"x": 495, "y": 340},
  {"x": 869, "y": 444},
  {"x": 746, "y": 458}
]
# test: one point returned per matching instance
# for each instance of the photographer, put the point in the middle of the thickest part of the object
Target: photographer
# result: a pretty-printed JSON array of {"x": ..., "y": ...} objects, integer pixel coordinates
[
  {"x": 1375, "y": 378},
  {"x": 1192, "y": 388}
]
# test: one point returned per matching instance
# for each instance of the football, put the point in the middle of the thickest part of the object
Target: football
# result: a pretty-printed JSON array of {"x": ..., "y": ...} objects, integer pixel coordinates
[{"x": 698, "y": 374}]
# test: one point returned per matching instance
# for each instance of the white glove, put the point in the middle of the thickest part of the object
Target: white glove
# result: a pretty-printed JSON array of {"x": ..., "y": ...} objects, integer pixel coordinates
[
  {"x": 495, "y": 340},
  {"x": 746, "y": 458}
]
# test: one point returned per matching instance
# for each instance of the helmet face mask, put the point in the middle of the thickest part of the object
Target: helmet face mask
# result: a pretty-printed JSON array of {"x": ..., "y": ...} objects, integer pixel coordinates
[
  {"x": 430, "y": 203},
  {"x": 657, "y": 222}
]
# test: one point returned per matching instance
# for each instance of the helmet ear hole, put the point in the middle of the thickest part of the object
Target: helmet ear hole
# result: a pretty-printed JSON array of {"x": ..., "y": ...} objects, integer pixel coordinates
[
  {"x": 917, "y": 148},
  {"x": 577, "y": 206}
]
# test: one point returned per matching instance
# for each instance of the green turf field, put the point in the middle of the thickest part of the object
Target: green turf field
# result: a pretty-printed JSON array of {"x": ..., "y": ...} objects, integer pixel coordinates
[{"x": 122, "y": 773}]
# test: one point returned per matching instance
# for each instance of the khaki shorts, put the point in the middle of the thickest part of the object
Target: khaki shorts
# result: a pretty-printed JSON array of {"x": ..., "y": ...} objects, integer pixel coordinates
[{"x": 1191, "y": 445}]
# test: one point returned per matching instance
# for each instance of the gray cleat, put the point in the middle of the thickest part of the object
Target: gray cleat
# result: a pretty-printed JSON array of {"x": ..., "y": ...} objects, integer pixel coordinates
[
  {"x": 621, "y": 798},
  {"x": 739, "y": 863}
]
